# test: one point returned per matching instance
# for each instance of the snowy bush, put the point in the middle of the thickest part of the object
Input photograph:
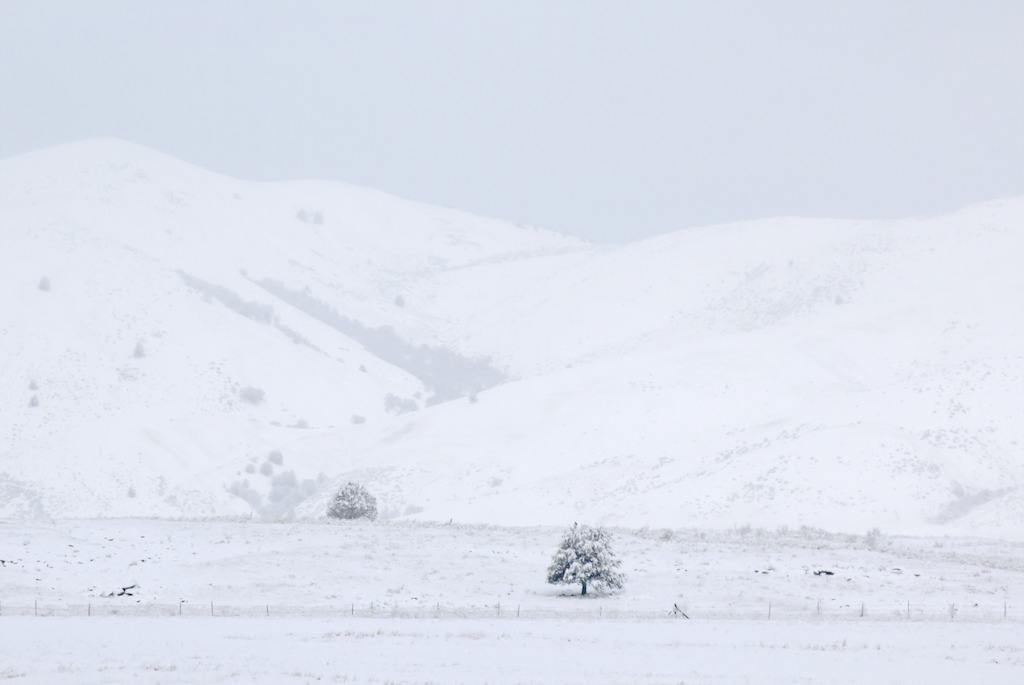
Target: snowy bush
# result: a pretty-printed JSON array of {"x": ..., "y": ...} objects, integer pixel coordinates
[
  {"x": 33, "y": 401},
  {"x": 393, "y": 404},
  {"x": 242, "y": 489},
  {"x": 251, "y": 395},
  {"x": 286, "y": 493},
  {"x": 140, "y": 350},
  {"x": 353, "y": 501},
  {"x": 275, "y": 457},
  {"x": 315, "y": 217},
  {"x": 585, "y": 556},
  {"x": 44, "y": 284}
]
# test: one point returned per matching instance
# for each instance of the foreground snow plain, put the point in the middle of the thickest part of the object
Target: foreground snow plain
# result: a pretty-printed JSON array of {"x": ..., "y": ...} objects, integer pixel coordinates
[
  {"x": 433, "y": 603},
  {"x": 388, "y": 650}
]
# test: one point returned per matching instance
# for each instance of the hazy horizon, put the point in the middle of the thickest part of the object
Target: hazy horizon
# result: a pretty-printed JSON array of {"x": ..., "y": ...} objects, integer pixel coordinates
[{"x": 579, "y": 117}]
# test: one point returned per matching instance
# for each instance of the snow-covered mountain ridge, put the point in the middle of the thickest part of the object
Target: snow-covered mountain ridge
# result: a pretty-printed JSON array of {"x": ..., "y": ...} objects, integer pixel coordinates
[{"x": 179, "y": 343}]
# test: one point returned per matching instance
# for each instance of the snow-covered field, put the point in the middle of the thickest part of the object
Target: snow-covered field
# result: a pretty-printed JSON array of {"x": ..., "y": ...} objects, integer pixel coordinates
[
  {"x": 385, "y": 650},
  {"x": 438, "y": 603},
  {"x": 418, "y": 566}
]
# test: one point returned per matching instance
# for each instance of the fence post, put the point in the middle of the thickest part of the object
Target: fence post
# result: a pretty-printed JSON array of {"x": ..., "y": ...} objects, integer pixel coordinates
[
  {"x": 908, "y": 609},
  {"x": 35, "y": 608},
  {"x": 862, "y": 609},
  {"x": 353, "y": 609},
  {"x": 517, "y": 610},
  {"x": 1004, "y": 609},
  {"x": 211, "y": 608},
  {"x": 769, "y": 610},
  {"x": 499, "y": 609},
  {"x": 88, "y": 611},
  {"x": 819, "y": 607},
  {"x": 268, "y": 610}
]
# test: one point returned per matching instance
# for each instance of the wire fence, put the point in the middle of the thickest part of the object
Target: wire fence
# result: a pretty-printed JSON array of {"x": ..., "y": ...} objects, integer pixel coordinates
[{"x": 767, "y": 611}]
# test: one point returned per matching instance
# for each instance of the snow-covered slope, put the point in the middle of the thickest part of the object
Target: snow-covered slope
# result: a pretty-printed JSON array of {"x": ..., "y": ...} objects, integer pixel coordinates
[
  {"x": 786, "y": 371},
  {"x": 145, "y": 358},
  {"x": 783, "y": 372}
]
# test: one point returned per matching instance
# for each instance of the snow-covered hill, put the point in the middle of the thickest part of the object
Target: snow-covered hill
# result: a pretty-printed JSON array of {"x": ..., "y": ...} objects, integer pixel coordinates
[{"x": 178, "y": 343}]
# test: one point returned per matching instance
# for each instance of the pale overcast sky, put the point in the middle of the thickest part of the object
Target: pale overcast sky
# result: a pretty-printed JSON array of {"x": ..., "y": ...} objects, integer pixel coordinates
[{"x": 609, "y": 120}]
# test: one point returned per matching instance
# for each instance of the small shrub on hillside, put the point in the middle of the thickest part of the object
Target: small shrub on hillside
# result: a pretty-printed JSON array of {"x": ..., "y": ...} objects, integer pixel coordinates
[
  {"x": 286, "y": 493},
  {"x": 251, "y": 395},
  {"x": 306, "y": 217},
  {"x": 353, "y": 501},
  {"x": 393, "y": 404},
  {"x": 44, "y": 284}
]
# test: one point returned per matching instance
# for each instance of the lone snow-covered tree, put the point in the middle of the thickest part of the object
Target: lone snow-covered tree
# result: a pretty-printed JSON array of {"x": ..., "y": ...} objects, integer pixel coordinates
[
  {"x": 585, "y": 557},
  {"x": 353, "y": 501}
]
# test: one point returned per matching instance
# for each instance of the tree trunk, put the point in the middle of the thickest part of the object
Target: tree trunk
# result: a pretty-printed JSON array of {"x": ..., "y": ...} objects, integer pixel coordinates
[{"x": 584, "y": 588}]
